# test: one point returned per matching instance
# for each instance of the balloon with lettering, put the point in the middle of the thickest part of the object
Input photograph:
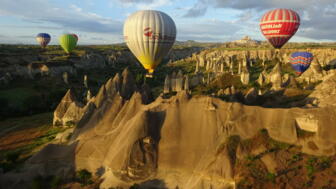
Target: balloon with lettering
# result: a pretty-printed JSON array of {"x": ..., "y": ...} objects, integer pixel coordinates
[
  {"x": 68, "y": 42},
  {"x": 279, "y": 25},
  {"x": 150, "y": 35},
  {"x": 43, "y": 39},
  {"x": 301, "y": 61}
]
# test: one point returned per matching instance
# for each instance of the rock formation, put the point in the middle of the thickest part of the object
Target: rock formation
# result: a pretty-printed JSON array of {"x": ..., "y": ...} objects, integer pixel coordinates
[
  {"x": 262, "y": 78},
  {"x": 245, "y": 76},
  {"x": 178, "y": 82},
  {"x": 85, "y": 82},
  {"x": 275, "y": 77},
  {"x": 324, "y": 94},
  {"x": 251, "y": 96},
  {"x": 131, "y": 140}
]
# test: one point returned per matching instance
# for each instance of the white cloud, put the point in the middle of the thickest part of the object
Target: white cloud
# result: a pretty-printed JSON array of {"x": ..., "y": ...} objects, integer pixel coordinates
[
  {"x": 317, "y": 16},
  {"x": 144, "y": 4},
  {"x": 71, "y": 18}
]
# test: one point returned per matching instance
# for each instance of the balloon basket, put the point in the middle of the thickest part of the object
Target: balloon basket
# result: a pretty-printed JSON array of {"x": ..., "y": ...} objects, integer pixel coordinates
[{"x": 149, "y": 75}]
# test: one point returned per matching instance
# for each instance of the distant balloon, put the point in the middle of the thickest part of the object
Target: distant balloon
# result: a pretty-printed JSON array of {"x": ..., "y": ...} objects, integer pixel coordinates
[
  {"x": 279, "y": 25},
  {"x": 68, "y": 42},
  {"x": 43, "y": 39},
  {"x": 149, "y": 34},
  {"x": 301, "y": 61}
]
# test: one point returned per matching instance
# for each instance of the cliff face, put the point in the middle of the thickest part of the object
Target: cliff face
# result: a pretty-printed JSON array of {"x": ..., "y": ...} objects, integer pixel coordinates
[{"x": 182, "y": 141}]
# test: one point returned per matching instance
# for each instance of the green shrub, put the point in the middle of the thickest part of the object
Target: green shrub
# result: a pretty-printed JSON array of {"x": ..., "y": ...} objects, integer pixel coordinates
[
  {"x": 84, "y": 177},
  {"x": 12, "y": 156},
  {"x": 135, "y": 186},
  {"x": 42, "y": 182}
]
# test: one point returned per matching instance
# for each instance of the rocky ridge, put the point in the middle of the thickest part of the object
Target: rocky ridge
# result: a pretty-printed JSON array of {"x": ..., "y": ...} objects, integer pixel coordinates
[{"x": 126, "y": 138}]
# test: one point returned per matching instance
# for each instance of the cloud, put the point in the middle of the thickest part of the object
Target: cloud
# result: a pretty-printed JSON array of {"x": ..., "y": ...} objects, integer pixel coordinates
[
  {"x": 207, "y": 31},
  {"x": 145, "y": 4},
  {"x": 317, "y": 16},
  {"x": 69, "y": 18},
  {"x": 199, "y": 9}
]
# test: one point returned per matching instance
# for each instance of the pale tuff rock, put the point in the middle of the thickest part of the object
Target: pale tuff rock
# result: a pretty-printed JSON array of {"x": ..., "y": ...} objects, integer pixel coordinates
[
  {"x": 285, "y": 79},
  {"x": 222, "y": 67},
  {"x": 128, "y": 84},
  {"x": 207, "y": 68},
  {"x": 64, "y": 137},
  {"x": 251, "y": 96},
  {"x": 70, "y": 111},
  {"x": 307, "y": 123},
  {"x": 239, "y": 67},
  {"x": 167, "y": 84},
  {"x": 201, "y": 60},
  {"x": 197, "y": 67},
  {"x": 245, "y": 76},
  {"x": 275, "y": 77},
  {"x": 173, "y": 81},
  {"x": 86, "y": 81},
  {"x": 179, "y": 82},
  {"x": 314, "y": 73},
  {"x": 324, "y": 93},
  {"x": 101, "y": 96},
  {"x": 140, "y": 141},
  {"x": 63, "y": 106},
  {"x": 220, "y": 92},
  {"x": 231, "y": 68},
  {"x": 227, "y": 91},
  {"x": 66, "y": 78},
  {"x": 233, "y": 90},
  {"x": 208, "y": 79},
  {"x": 262, "y": 78},
  {"x": 113, "y": 85},
  {"x": 186, "y": 83},
  {"x": 291, "y": 82},
  {"x": 245, "y": 61},
  {"x": 88, "y": 95},
  {"x": 285, "y": 58}
]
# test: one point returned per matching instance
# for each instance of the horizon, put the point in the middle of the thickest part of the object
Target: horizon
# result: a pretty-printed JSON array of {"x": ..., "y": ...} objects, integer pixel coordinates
[{"x": 207, "y": 21}]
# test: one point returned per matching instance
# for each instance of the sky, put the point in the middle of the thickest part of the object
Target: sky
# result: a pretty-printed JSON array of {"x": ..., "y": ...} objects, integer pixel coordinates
[{"x": 101, "y": 21}]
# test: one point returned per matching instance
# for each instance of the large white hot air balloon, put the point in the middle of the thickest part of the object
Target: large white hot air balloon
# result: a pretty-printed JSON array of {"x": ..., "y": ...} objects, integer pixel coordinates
[{"x": 149, "y": 34}]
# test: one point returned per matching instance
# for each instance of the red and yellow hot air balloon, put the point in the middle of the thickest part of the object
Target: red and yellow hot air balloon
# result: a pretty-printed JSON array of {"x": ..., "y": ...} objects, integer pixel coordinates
[{"x": 279, "y": 25}]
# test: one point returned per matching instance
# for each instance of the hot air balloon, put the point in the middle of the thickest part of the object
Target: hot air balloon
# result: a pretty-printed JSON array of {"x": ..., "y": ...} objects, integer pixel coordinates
[
  {"x": 150, "y": 35},
  {"x": 279, "y": 25},
  {"x": 43, "y": 39},
  {"x": 301, "y": 61},
  {"x": 75, "y": 36},
  {"x": 68, "y": 42}
]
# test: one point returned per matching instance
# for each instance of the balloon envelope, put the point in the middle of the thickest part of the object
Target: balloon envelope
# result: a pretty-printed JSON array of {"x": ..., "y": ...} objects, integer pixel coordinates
[
  {"x": 301, "y": 61},
  {"x": 149, "y": 35},
  {"x": 68, "y": 42},
  {"x": 75, "y": 36},
  {"x": 43, "y": 39},
  {"x": 279, "y": 25}
]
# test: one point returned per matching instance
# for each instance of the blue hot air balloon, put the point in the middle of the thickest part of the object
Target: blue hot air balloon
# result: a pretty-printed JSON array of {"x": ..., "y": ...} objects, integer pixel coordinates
[
  {"x": 43, "y": 39},
  {"x": 301, "y": 61}
]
